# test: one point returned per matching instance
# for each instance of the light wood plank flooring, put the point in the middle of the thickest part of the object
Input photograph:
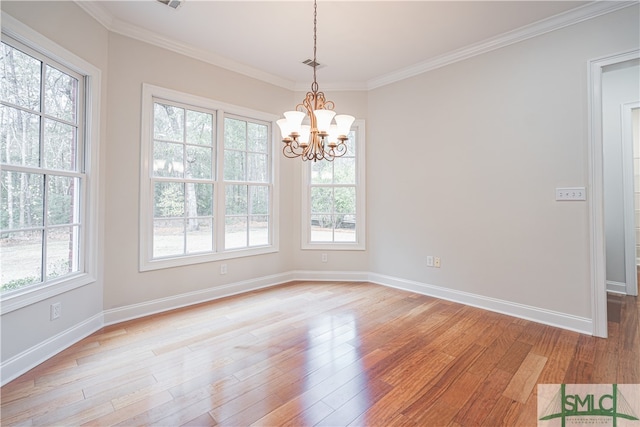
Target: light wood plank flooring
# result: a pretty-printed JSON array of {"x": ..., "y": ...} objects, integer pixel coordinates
[{"x": 326, "y": 354}]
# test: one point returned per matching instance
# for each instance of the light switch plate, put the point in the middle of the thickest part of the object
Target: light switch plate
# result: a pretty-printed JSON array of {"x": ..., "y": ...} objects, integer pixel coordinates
[{"x": 571, "y": 193}]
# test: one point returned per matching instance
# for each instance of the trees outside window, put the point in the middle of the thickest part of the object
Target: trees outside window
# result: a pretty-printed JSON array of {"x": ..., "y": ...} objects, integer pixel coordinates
[
  {"x": 206, "y": 180},
  {"x": 43, "y": 180},
  {"x": 333, "y": 198}
]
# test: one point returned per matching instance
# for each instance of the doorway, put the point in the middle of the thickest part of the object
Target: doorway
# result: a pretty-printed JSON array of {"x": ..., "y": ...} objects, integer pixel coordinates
[
  {"x": 620, "y": 96},
  {"x": 596, "y": 191}
]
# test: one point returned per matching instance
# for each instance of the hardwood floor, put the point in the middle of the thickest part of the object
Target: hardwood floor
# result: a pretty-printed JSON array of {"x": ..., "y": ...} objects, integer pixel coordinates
[{"x": 326, "y": 354}]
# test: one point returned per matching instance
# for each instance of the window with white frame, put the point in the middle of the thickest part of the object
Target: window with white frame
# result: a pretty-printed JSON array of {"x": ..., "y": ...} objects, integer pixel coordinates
[
  {"x": 48, "y": 212},
  {"x": 334, "y": 198},
  {"x": 206, "y": 180}
]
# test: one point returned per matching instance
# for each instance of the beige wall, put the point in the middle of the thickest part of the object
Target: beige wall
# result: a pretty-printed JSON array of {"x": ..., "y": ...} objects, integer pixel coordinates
[
  {"x": 462, "y": 163},
  {"x": 472, "y": 179},
  {"x": 67, "y": 25}
]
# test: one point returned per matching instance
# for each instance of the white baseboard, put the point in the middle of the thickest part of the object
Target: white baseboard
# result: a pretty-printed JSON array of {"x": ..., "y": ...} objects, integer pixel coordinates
[
  {"x": 535, "y": 314},
  {"x": 28, "y": 359},
  {"x": 331, "y": 276},
  {"x": 134, "y": 311},
  {"x": 616, "y": 287},
  {"x": 32, "y": 357}
]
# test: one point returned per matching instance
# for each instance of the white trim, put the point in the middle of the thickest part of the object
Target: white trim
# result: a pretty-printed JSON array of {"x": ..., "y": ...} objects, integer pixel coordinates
[
  {"x": 93, "y": 75},
  {"x": 330, "y": 276},
  {"x": 616, "y": 287},
  {"x": 145, "y": 263},
  {"x": 631, "y": 270},
  {"x": 571, "y": 17},
  {"x": 126, "y": 29},
  {"x": 360, "y": 244},
  {"x": 535, "y": 314},
  {"x": 595, "y": 191},
  {"x": 28, "y": 359},
  {"x": 17, "y": 365},
  {"x": 134, "y": 311}
]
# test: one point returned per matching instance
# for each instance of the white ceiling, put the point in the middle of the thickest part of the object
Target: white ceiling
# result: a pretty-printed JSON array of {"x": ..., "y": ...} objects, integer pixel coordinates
[{"x": 360, "y": 44}]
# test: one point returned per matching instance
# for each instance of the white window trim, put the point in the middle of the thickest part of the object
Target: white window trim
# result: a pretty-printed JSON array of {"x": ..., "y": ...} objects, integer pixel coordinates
[
  {"x": 360, "y": 244},
  {"x": 146, "y": 263},
  {"x": 34, "y": 40}
]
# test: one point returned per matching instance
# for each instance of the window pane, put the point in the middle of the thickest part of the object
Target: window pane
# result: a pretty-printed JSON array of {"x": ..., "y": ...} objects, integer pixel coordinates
[
  {"x": 344, "y": 170},
  {"x": 345, "y": 229},
  {"x": 259, "y": 196},
  {"x": 199, "y": 235},
  {"x": 236, "y": 200},
  {"x": 59, "y": 145},
  {"x": 61, "y": 95},
  {"x": 234, "y": 165},
  {"x": 199, "y": 162},
  {"x": 168, "y": 122},
  {"x": 20, "y": 259},
  {"x": 62, "y": 251},
  {"x": 61, "y": 200},
  {"x": 258, "y": 170},
  {"x": 322, "y": 172},
  {"x": 22, "y": 200},
  {"x": 235, "y": 134},
  {"x": 235, "y": 233},
  {"x": 19, "y": 137},
  {"x": 20, "y": 74},
  {"x": 167, "y": 159},
  {"x": 199, "y": 128},
  {"x": 257, "y": 137},
  {"x": 168, "y": 200},
  {"x": 259, "y": 231},
  {"x": 351, "y": 144},
  {"x": 345, "y": 200},
  {"x": 321, "y": 228},
  {"x": 168, "y": 238},
  {"x": 321, "y": 200},
  {"x": 204, "y": 197}
]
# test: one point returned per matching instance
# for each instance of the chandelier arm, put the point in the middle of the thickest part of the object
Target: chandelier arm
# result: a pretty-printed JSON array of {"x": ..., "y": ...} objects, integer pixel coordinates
[{"x": 320, "y": 145}]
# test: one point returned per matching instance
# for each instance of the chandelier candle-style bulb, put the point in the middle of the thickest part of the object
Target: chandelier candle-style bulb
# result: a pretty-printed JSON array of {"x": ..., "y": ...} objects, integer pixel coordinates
[
  {"x": 294, "y": 120},
  {"x": 323, "y": 120},
  {"x": 344, "y": 122},
  {"x": 320, "y": 139},
  {"x": 305, "y": 133}
]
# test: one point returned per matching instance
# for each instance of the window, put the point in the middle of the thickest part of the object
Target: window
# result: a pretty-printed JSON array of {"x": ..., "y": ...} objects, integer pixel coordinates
[
  {"x": 206, "y": 181},
  {"x": 334, "y": 198},
  {"x": 247, "y": 176},
  {"x": 46, "y": 244}
]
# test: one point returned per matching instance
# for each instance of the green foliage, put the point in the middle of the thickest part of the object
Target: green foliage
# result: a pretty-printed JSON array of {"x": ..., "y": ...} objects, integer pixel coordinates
[{"x": 19, "y": 283}]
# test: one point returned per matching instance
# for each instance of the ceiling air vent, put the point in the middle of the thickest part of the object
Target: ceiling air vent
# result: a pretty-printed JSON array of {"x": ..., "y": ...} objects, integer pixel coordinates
[
  {"x": 172, "y": 3},
  {"x": 311, "y": 63}
]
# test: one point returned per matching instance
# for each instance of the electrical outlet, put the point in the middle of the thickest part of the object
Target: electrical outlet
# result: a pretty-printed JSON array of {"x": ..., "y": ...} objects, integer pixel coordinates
[
  {"x": 223, "y": 268},
  {"x": 325, "y": 258},
  {"x": 56, "y": 310},
  {"x": 436, "y": 262},
  {"x": 429, "y": 261}
]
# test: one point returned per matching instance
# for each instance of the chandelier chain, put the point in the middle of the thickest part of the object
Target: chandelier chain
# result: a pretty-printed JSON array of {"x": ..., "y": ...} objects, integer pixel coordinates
[{"x": 314, "y": 86}]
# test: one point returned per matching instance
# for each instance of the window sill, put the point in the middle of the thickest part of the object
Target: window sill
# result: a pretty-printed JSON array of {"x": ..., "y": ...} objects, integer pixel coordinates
[
  {"x": 22, "y": 298},
  {"x": 200, "y": 259}
]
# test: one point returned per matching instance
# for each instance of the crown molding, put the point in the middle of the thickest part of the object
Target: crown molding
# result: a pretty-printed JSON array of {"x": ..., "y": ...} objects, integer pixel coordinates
[
  {"x": 571, "y": 17},
  {"x": 135, "y": 32}
]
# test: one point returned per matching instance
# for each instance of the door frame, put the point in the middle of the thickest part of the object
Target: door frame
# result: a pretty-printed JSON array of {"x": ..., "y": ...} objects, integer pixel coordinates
[
  {"x": 630, "y": 259},
  {"x": 596, "y": 189}
]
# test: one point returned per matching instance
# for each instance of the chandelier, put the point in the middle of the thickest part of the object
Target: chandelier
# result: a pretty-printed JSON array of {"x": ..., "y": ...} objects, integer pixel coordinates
[{"x": 320, "y": 138}]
